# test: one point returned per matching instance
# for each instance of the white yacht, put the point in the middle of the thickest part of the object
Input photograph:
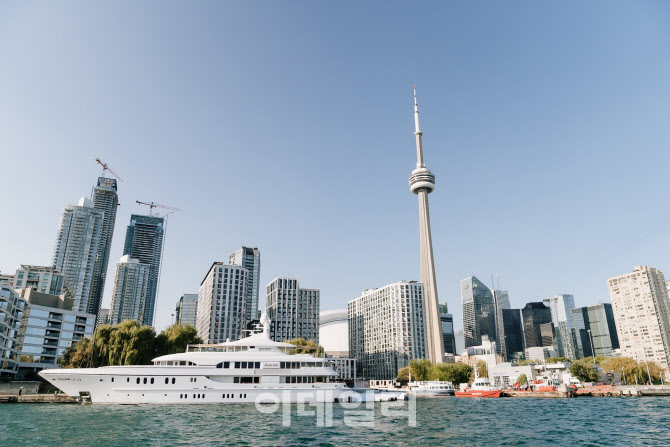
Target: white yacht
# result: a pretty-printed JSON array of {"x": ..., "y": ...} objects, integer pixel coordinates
[
  {"x": 431, "y": 388},
  {"x": 252, "y": 369}
]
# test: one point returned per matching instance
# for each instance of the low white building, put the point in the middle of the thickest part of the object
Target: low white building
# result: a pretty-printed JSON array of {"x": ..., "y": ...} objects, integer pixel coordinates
[
  {"x": 540, "y": 353},
  {"x": 485, "y": 352}
]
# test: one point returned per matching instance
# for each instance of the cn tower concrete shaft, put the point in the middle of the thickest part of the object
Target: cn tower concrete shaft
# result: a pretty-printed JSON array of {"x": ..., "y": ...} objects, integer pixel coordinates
[{"x": 422, "y": 183}]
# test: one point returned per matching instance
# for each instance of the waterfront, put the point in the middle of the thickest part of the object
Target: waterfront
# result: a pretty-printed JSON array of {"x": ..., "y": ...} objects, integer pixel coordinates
[{"x": 442, "y": 421}]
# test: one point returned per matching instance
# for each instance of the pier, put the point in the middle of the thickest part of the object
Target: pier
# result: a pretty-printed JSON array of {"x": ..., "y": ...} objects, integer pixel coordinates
[{"x": 59, "y": 398}]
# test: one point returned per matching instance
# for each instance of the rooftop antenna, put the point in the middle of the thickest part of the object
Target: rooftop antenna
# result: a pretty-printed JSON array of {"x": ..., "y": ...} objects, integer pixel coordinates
[{"x": 105, "y": 167}]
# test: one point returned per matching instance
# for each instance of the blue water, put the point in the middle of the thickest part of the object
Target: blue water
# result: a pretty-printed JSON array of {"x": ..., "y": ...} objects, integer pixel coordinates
[{"x": 440, "y": 421}]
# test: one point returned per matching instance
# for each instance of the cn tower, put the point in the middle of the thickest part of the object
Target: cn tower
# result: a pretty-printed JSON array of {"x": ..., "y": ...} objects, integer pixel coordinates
[{"x": 422, "y": 183}]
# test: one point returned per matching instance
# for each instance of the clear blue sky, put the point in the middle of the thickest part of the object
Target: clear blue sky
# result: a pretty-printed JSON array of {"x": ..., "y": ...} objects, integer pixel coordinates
[{"x": 288, "y": 126}]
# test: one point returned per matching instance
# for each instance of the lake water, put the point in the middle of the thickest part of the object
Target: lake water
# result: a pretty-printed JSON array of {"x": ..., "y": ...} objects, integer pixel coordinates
[{"x": 439, "y": 421}]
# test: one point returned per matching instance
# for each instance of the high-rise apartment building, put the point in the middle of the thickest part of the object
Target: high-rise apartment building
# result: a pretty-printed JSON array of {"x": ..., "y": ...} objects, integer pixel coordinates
[
  {"x": 130, "y": 299},
  {"x": 478, "y": 312},
  {"x": 144, "y": 242},
  {"x": 186, "y": 311},
  {"x": 105, "y": 199},
  {"x": 387, "y": 329},
  {"x": 104, "y": 317},
  {"x": 595, "y": 330},
  {"x": 642, "y": 313},
  {"x": 448, "y": 338},
  {"x": 77, "y": 246},
  {"x": 250, "y": 259},
  {"x": 220, "y": 303},
  {"x": 537, "y": 325},
  {"x": 12, "y": 309},
  {"x": 561, "y": 315},
  {"x": 42, "y": 279},
  {"x": 293, "y": 312}
]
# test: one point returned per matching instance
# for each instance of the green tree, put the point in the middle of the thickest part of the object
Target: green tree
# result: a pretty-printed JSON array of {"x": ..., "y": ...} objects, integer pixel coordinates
[
  {"x": 174, "y": 339},
  {"x": 421, "y": 369},
  {"x": 78, "y": 355},
  {"x": 482, "y": 369},
  {"x": 303, "y": 346},
  {"x": 455, "y": 373},
  {"x": 584, "y": 371},
  {"x": 523, "y": 379},
  {"x": 557, "y": 360},
  {"x": 403, "y": 376}
]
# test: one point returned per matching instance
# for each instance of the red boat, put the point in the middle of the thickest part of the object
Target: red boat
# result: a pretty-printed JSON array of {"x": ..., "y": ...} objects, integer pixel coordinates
[{"x": 481, "y": 387}]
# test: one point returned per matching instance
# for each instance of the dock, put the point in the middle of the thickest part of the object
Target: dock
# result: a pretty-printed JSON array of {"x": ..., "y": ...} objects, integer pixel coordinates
[{"x": 36, "y": 399}]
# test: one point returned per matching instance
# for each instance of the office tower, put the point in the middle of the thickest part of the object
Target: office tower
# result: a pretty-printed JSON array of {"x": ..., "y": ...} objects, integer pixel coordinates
[
  {"x": 294, "y": 312},
  {"x": 186, "y": 311},
  {"x": 478, "y": 312},
  {"x": 42, "y": 279},
  {"x": 561, "y": 315},
  {"x": 250, "y": 259},
  {"x": 537, "y": 325},
  {"x": 387, "y": 329},
  {"x": 76, "y": 250},
  {"x": 51, "y": 324},
  {"x": 144, "y": 242},
  {"x": 105, "y": 199},
  {"x": 642, "y": 314},
  {"x": 220, "y": 303},
  {"x": 104, "y": 317},
  {"x": 422, "y": 183},
  {"x": 500, "y": 302},
  {"x": 448, "y": 338},
  {"x": 595, "y": 330},
  {"x": 12, "y": 309},
  {"x": 130, "y": 299},
  {"x": 511, "y": 334}
]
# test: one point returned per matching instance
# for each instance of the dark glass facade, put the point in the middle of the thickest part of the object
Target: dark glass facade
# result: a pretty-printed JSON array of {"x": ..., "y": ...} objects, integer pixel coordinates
[
  {"x": 537, "y": 326},
  {"x": 478, "y": 312}
]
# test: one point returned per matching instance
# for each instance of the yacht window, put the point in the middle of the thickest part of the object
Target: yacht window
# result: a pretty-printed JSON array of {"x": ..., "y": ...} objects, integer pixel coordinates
[
  {"x": 195, "y": 379},
  {"x": 236, "y": 380},
  {"x": 257, "y": 380},
  {"x": 226, "y": 364},
  {"x": 173, "y": 380},
  {"x": 219, "y": 365},
  {"x": 112, "y": 379},
  {"x": 127, "y": 379},
  {"x": 152, "y": 380},
  {"x": 282, "y": 365},
  {"x": 237, "y": 364},
  {"x": 166, "y": 380},
  {"x": 138, "y": 380},
  {"x": 145, "y": 380},
  {"x": 257, "y": 365},
  {"x": 182, "y": 363},
  {"x": 244, "y": 365},
  {"x": 246, "y": 380}
]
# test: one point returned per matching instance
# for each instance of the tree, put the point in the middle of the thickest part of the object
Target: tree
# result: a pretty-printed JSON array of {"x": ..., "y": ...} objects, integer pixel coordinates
[
  {"x": 482, "y": 370},
  {"x": 303, "y": 346},
  {"x": 557, "y": 360},
  {"x": 77, "y": 355},
  {"x": 584, "y": 371},
  {"x": 403, "y": 376},
  {"x": 523, "y": 379},
  {"x": 174, "y": 339},
  {"x": 421, "y": 369},
  {"x": 455, "y": 373}
]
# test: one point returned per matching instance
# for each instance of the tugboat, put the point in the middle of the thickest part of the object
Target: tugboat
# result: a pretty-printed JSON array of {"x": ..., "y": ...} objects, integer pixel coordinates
[{"x": 481, "y": 387}]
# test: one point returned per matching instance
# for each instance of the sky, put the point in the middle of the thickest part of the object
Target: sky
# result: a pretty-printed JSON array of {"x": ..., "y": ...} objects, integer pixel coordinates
[{"x": 288, "y": 126}]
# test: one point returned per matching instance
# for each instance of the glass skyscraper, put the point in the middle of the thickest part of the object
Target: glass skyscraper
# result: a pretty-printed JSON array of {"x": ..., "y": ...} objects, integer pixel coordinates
[
  {"x": 79, "y": 238},
  {"x": 510, "y": 333},
  {"x": 599, "y": 319},
  {"x": 105, "y": 199},
  {"x": 561, "y": 313},
  {"x": 478, "y": 312},
  {"x": 250, "y": 259},
  {"x": 537, "y": 325},
  {"x": 447, "y": 330},
  {"x": 144, "y": 242}
]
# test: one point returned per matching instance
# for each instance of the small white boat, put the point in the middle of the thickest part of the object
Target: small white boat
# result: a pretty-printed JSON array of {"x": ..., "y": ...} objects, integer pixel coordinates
[{"x": 431, "y": 388}]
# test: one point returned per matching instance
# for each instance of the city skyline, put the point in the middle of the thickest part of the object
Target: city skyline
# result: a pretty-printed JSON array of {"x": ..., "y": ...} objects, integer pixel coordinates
[{"x": 531, "y": 139}]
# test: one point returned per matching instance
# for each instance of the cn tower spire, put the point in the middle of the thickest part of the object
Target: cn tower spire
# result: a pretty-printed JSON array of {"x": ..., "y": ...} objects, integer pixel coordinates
[{"x": 422, "y": 183}]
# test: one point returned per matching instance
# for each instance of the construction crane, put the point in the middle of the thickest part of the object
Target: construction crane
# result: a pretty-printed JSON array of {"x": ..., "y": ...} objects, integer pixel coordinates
[
  {"x": 105, "y": 167},
  {"x": 153, "y": 205}
]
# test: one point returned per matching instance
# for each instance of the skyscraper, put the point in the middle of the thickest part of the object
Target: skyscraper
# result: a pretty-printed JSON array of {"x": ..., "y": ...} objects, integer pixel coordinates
[
  {"x": 131, "y": 291},
  {"x": 422, "y": 183},
  {"x": 250, "y": 259},
  {"x": 448, "y": 338},
  {"x": 387, "y": 329},
  {"x": 537, "y": 326},
  {"x": 105, "y": 199},
  {"x": 220, "y": 303},
  {"x": 642, "y": 313},
  {"x": 144, "y": 242},
  {"x": 561, "y": 315},
  {"x": 76, "y": 250},
  {"x": 478, "y": 312},
  {"x": 510, "y": 334},
  {"x": 500, "y": 302},
  {"x": 293, "y": 312},
  {"x": 186, "y": 311},
  {"x": 599, "y": 320}
]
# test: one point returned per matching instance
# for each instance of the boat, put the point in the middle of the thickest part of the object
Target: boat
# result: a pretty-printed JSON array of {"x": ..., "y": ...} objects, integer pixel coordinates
[
  {"x": 254, "y": 369},
  {"x": 431, "y": 388},
  {"x": 481, "y": 387}
]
